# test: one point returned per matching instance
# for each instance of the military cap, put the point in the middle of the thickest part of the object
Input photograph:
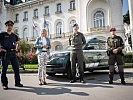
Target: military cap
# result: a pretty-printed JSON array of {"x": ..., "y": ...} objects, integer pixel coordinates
[
  {"x": 9, "y": 22},
  {"x": 75, "y": 25},
  {"x": 112, "y": 29}
]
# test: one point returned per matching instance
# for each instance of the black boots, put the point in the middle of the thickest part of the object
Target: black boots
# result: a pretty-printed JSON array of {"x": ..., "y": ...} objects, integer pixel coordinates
[
  {"x": 82, "y": 80},
  {"x": 122, "y": 78},
  {"x": 111, "y": 78}
]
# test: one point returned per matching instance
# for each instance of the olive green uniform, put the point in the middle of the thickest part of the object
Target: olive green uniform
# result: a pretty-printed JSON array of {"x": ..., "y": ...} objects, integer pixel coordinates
[
  {"x": 77, "y": 40},
  {"x": 115, "y": 42}
]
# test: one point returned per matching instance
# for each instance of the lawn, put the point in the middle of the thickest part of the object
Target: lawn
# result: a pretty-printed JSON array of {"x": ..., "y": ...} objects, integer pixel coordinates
[{"x": 35, "y": 66}]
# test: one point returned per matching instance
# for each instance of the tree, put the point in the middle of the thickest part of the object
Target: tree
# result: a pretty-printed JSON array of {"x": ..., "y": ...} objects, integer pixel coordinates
[
  {"x": 126, "y": 18},
  {"x": 25, "y": 47}
]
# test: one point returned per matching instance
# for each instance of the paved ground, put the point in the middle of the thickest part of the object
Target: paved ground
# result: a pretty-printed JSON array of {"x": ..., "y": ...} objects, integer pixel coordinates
[{"x": 59, "y": 88}]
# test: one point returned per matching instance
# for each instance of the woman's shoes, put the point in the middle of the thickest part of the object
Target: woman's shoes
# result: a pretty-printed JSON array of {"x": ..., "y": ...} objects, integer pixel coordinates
[{"x": 42, "y": 82}]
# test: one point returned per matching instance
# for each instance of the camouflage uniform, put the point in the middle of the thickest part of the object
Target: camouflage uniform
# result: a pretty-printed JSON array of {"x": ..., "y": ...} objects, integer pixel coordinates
[
  {"x": 115, "y": 42},
  {"x": 77, "y": 40}
]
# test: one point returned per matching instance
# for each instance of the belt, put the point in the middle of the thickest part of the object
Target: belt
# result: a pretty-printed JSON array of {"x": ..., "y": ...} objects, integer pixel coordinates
[
  {"x": 44, "y": 51},
  {"x": 11, "y": 50}
]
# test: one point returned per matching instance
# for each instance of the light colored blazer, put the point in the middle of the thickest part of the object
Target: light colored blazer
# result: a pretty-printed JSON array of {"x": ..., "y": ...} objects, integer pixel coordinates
[{"x": 39, "y": 45}]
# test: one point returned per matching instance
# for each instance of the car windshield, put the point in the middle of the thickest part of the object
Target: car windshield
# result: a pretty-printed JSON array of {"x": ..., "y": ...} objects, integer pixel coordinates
[{"x": 92, "y": 44}]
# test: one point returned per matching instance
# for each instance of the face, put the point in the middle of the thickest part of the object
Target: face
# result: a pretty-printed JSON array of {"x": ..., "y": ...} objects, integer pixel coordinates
[
  {"x": 76, "y": 28},
  {"x": 44, "y": 33},
  {"x": 112, "y": 32},
  {"x": 9, "y": 27}
]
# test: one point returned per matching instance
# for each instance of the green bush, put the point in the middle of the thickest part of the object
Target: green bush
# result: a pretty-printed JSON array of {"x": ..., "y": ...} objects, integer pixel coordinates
[{"x": 128, "y": 57}]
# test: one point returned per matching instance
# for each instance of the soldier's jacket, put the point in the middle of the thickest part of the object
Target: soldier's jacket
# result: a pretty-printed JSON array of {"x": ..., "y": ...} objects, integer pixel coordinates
[
  {"x": 77, "y": 41},
  {"x": 115, "y": 42}
]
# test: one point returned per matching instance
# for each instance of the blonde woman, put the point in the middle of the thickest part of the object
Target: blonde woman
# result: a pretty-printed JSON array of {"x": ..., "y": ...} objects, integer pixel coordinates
[{"x": 43, "y": 45}]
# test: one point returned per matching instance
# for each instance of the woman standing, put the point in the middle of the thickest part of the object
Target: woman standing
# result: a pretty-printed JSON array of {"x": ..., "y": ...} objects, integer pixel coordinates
[{"x": 43, "y": 45}]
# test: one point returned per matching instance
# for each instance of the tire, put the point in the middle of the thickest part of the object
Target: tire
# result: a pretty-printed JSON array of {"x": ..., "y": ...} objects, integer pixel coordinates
[
  {"x": 51, "y": 74},
  {"x": 91, "y": 70}
]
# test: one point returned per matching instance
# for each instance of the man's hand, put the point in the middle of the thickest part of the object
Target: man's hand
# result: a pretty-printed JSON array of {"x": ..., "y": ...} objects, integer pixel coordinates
[
  {"x": 2, "y": 50},
  {"x": 115, "y": 51}
]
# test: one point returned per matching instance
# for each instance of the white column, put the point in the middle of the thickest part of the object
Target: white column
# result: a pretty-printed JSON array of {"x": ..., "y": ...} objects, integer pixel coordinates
[{"x": 130, "y": 2}]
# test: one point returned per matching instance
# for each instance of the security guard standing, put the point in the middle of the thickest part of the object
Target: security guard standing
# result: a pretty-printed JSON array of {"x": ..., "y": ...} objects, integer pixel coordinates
[
  {"x": 77, "y": 40},
  {"x": 115, "y": 46},
  {"x": 9, "y": 45}
]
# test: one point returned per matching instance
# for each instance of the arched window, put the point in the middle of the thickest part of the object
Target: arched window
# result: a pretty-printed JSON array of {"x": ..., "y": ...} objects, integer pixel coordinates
[
  {"x": 99, "y": 19},
  {"x": 35, "y": 32},
  {"x": 59, "y": 29},
  {"x": 72, "y": 22},
  {"x": 25, "y": 33}
]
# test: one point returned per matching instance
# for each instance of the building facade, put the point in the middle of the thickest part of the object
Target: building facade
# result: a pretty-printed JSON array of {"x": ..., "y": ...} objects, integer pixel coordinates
[{"x": 95, "y": 17}]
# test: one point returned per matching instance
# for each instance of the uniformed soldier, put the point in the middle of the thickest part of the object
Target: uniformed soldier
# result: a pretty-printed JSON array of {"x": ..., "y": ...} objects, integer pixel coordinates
[
  {"x": 115, "y": 46},
  {"x": 77, "y": 40},
  {"x": 9, "y": 45}
]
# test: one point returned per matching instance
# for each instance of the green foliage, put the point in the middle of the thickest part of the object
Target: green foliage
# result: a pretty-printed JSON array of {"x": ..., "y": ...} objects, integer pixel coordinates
[
  {"x": 126, "y": 18},
  {"x": 25, "y": 47},
  {"x": 128, "y": 57}
]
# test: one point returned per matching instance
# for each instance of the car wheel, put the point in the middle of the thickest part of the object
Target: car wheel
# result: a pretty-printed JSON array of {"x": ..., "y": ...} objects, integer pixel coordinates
[
  {"x": 51, "y": 74},
  {"x": 91, "y": 70}
]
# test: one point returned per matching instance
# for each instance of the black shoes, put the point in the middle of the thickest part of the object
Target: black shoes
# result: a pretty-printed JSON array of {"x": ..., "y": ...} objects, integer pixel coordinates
[
  {"x": 19, "y": 85},
  {"x": 73, "y": 81},
  {"x": 110, "y": 82},
  {"x": 5, "y": 87},
  {"x": 123, "y": 82},
  {"x": 82, "y": 81}
]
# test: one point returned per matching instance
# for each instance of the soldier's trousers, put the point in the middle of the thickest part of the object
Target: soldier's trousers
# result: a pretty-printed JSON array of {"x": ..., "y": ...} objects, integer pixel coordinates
[
  {"x": 77, "y": 57},
  {"x": 42, "y": 57},
  {"x": 10, "y": 57},
  {"x": 118, "y": 59}
]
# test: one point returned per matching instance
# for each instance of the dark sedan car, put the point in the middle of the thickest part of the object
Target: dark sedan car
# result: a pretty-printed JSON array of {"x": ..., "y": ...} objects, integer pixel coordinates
[{"x": 94, "y": 53}]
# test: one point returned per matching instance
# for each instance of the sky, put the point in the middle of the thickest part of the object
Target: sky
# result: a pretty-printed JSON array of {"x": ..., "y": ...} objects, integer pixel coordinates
[{"x": 125, "y": 6}]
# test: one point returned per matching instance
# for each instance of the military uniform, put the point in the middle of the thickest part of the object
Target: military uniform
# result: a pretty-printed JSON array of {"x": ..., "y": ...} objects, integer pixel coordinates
[
  {"x": 115, "y": 42},
  {"x": 77, "y": 40}
]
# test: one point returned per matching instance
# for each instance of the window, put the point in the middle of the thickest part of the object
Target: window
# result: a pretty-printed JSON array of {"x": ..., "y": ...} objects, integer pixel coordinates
[
  {"x": 46, "y": 11},
  {"x": 35, "y": 32},
  {"x": 25, "y": 16},
  {"x": 16, "y": 18},
  {"x": 72, "y": 5},
  {"x": 99, "y": 19},
  {"x": 59, "y": 7},
  {"x": 36, "y": 13},
  {"x": 59, "y": 28},
  {"x": 71, "y": 25},
  {"x": 25, "y": 33}
]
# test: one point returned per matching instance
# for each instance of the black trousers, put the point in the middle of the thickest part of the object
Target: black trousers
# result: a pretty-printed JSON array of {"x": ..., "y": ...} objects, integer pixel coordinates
[
  {"x": 10, "y": 57},
  {"x": 77, "y": 57}
]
